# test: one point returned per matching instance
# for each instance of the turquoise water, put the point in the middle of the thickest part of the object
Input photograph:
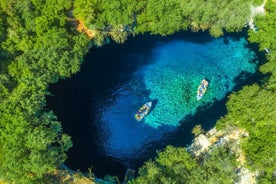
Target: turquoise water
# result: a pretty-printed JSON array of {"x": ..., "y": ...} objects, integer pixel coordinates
[
  {"x": 177, "y": 68},
  {"x": 170, "y": 79},
  {"x": 97, "y": 105}
]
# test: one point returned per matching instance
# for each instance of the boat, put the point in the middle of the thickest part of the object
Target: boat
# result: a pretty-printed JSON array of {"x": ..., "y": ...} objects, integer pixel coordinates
[
  {"x": 202, "y": 89},
  {"x": 143, "y": 111}
]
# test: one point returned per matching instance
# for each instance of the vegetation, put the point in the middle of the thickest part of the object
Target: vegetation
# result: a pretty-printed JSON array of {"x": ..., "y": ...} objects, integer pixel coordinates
[
  {"x": 165, "y": 17},
  {"x": 253, "y": 107},
  {"x": 175, "y": 165},
  {"x": 197, "y": 130},
  {"x": 265, "y": 37},
  {"x": 195, "y": 15},
  {"x": 39, "y": 45}
]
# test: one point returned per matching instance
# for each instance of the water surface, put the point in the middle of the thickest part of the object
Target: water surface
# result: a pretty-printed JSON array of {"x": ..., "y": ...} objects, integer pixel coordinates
[{"x": 97, "y": 105}]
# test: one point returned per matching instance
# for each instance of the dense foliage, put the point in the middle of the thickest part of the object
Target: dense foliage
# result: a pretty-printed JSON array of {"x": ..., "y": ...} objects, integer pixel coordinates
[
  {"x": 39, "y": 45},
  {"x": 175, "y": 165},
  {"x": 254, "y": 108},
  {"x": 265, "y": 37},
  {"x": 164, "y": 17}
]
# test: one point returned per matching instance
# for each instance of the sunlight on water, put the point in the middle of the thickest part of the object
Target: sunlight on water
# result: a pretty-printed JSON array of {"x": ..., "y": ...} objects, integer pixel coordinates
[
  {"x": 171, "y": 79},
  {"x": 124, "y": 136},
  {"x": 177, "y": 69}
]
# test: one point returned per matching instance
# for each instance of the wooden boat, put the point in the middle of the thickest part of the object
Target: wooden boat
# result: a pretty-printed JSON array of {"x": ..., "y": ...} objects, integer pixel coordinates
[
  {"x": 202, "y": 89},
  {"x": 143, "y": 111}
]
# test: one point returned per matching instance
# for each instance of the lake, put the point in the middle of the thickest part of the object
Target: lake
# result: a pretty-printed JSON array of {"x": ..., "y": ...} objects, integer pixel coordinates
[{"x": 97, "y": 105}]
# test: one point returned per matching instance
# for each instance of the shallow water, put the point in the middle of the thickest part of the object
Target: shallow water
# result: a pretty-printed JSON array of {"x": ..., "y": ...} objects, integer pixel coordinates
[
  {"x": 178, "y": 67},
  {"x": 97, "y": 105}
]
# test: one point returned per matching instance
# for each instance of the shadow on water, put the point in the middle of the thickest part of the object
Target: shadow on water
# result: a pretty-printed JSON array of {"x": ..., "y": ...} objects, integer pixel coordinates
[
  {"x": 208, "y": 115},
  {"x": 154, "y": 103},
  {"x": 71, "y": 101},
  {"x": 102, "y": 70}
]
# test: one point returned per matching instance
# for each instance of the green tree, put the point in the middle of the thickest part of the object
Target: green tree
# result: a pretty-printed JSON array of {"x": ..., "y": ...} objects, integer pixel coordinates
[
  {"x": 197, "y": 130},
  {"x": 220, "y": 167},
  {"x": 175, "y": 165},
  {"x": 32, "y": 144},
  {"x": 247, "y": 107},
  {"x": 32, "y": 56},
  {"x": 259, "y": 149},
  {"x": 265, "y": 37}
]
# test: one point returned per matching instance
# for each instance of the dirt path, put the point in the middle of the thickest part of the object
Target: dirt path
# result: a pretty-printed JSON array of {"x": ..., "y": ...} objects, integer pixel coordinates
[{"x": 82, "y": 28}]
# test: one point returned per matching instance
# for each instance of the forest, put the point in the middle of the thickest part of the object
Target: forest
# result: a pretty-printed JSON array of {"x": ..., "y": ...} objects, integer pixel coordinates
[{"x": 40, "y": 44}]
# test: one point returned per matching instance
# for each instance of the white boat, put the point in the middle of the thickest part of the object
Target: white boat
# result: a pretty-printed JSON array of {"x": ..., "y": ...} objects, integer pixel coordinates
[
  {"x": 202, "y": 89},
  {"x": 143, "y": 111}
]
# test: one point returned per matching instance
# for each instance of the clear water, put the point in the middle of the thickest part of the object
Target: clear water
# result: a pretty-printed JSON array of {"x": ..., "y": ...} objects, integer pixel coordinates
[
  {"x": 177, "y": 69},
  {"x": 97, "y": 106},
  {"x": 170, "y": 79}
]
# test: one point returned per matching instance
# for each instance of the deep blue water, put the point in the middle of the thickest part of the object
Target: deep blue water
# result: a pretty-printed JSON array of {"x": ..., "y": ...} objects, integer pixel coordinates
[{"x": 97, "y": 105}]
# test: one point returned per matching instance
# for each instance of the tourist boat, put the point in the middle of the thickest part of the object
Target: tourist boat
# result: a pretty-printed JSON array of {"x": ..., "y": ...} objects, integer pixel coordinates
[
  {"x": 143, "y": 111},
  {"x": 202, "y": 89}
]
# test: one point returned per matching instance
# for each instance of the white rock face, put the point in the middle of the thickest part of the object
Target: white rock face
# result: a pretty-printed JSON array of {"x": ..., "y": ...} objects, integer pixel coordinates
[{"x": 254, "y": 11}]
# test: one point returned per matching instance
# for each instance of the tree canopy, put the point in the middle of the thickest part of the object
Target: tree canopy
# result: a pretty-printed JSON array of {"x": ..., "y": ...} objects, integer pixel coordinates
[
  {"x": 176, "y": 165},
  {"x": 166, "y": 17},
  {"x": 39, "y": 44}
]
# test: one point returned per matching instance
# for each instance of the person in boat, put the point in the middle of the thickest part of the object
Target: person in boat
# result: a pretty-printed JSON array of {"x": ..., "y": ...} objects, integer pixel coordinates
[{"x": 137, "y": 116}]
